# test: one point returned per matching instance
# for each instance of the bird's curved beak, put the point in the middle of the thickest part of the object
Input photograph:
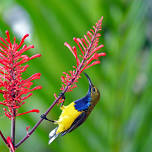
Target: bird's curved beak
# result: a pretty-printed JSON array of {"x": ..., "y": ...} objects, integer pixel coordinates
[{"x": 90, "y": 82}]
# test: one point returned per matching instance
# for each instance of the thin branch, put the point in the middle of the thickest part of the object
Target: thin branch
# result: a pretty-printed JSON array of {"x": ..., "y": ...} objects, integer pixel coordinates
[
  {"x": 4, "y": 139},
  {"x": 13, "y": 119},
  {"x": 63, "y": 92},
  {"x": 39, "y": 122}
]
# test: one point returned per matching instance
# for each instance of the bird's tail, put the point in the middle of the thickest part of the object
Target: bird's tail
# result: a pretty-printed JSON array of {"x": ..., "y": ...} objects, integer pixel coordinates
[{"x": 53, "y": 135}]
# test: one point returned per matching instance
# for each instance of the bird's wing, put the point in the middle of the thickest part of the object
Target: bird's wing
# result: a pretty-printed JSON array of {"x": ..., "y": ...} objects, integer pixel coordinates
[
  {"x": 78, "y": 121},
  {"x": 83, "y": 103}
]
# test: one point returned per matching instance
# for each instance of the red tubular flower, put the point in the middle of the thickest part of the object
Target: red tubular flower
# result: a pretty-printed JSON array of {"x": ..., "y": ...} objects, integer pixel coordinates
[
  {"x": 14, "y": 89},
  {"x": 10, "y": 144},
  {"x": 85, "y": 58}
]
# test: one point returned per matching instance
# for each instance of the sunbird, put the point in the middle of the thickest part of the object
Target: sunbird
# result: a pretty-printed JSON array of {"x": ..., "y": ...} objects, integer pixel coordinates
[{"x": 74, "y": 114}]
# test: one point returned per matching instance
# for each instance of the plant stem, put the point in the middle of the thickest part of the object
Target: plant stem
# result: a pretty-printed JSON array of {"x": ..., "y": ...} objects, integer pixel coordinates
[
  {"x": 49, "y": 109},
  {"x": 13, "y": 120},
  {"x": 63, "y": 92},
  {"x": 4, "y": 139},
  {"x": 39, "y": 122}
]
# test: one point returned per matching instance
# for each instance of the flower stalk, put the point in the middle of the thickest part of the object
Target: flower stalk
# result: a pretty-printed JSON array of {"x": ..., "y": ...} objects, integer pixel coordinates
[
  {"x": 13, "y": 87},
  {"x": 4, "y": 139},
  {"x": 13, "y": 124},
  {"x": 81, "y": 66},
  {"x": 16, "y": 90}
]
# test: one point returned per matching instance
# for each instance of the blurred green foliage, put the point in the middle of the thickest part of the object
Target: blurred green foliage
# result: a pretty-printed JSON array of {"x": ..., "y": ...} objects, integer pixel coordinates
[{"x": 121, "y": 122}]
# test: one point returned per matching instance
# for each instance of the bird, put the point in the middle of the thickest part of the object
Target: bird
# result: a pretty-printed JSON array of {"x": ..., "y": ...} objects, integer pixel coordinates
[{"x": 74, "y": 114}]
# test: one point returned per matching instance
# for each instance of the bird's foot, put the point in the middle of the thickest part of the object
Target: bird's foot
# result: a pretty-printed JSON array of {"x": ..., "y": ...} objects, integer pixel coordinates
[{"x": 43, "y": 116}]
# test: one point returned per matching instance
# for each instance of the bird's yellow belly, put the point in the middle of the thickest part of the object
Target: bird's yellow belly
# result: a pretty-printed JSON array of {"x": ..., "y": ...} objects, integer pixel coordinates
[{"x": 67, "y": 117}]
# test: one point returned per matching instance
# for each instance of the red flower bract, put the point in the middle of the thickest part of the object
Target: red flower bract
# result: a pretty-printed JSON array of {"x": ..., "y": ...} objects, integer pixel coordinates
[
  {"x": 14, "y": 89},
  {"x": 85, "y": 58}
]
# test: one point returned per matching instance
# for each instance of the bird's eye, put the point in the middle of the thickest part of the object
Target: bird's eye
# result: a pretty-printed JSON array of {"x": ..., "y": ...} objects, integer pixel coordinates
[{"x": 93, "y": 89}]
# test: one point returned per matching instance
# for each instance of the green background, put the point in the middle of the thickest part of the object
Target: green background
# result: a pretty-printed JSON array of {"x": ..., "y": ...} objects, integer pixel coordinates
[{"x": 122, "y": 120}]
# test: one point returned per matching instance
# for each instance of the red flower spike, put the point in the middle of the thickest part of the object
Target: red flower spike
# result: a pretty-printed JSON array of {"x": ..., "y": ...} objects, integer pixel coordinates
[
  {"x": 85, "y": 58},
  {"x": 10, "y": 144},
  {"x": 11, "y": 82}
]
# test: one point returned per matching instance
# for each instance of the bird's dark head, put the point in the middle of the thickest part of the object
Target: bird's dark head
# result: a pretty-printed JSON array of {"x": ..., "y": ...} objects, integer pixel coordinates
[{"x": 93, "y": 91}]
